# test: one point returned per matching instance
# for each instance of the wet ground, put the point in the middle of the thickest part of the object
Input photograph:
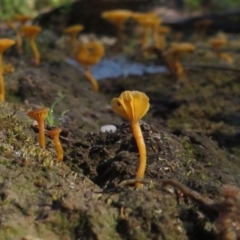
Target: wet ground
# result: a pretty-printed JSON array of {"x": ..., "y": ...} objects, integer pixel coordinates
[{"x": 192, "y": 134}]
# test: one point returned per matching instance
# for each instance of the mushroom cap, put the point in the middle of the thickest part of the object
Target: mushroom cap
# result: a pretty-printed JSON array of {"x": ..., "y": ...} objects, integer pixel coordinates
[
  {"x": 39, "y": 114},
  {"x": 54, "y": 132},
  {"x": 22, "y": 18},
  {"x": 147, "y": 19},
  {"x": 163, "y": 30},
  {"x": 90, "y": 53},
  {"x": 180, "y": 48},
  {"x": 73, "y": 30},
  {"x": 117, "y": 16},
  {"x": 218, "y": 42},
  {"x": 131, "y": 105},
  {"x": 31, "y": 31},
  {"x": 5, "y": 43}
]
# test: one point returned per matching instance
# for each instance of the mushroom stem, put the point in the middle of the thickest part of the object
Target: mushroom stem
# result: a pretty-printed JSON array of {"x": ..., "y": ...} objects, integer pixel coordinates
[
  {"x": 91, "y": 79},
  {"x": 41, "y": 135},
  {"x": 35, "y": 51},
  {"x": 178, "y": 68},
  {"x": 58, "y": 147},
  {"x": 145, "y": 38},
  {"x": 137, "y": 133},
  {"x": 19, "y": 41},
  {"x": 161, "y": 43}
]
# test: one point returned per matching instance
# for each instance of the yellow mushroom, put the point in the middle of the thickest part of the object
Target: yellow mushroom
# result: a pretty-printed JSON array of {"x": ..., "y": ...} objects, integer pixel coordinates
[
  {"x": 40, "y": 115},
  {"x": 5, "y": 43},
  {"x": 90, "y": 54},
  {"x": 54, "y": 133},
  {"x": 118, "y": 19},
  {"x": 150, "y": 23},
  {"x": 132, "y": 106},
  {"x": 31, "y": 32},
  {"x": 172, "y": 57},
  {"x": 217, "y": 43},
  {"x": 20, "y": 20},
  {"x": 73, "y": 32}
]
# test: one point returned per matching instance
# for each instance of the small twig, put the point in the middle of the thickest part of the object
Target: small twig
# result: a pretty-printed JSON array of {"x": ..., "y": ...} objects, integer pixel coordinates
[
  {"x": 193, "y": 195},
  {"x": 133, "y": 181}
]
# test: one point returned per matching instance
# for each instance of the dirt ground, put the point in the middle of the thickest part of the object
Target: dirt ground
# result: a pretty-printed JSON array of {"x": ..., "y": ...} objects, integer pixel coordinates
[{"x": 192, "y": 134}]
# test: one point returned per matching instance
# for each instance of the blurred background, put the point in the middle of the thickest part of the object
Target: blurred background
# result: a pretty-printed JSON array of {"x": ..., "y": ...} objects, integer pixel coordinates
[
  {"x": 57, "y": 14},
  {"x": 10, "y": 7}
]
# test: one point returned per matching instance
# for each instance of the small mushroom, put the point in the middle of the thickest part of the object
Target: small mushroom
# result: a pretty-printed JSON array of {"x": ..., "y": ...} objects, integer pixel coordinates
[
  {"x": 40, "y": 115},
  {"x": 20, "y": 20},
  {"x": 55, "y": 136},
  {"x": 173, "y": 54},
  {"x": 217, "y": 43},
  {"x": 118, "y": 18},
  {"x": 88, "y": 55},
  {"x": 31, "y": 32},
  {"x": 5, "y": 43},
  {"x": 150, "y": 23},
  {"x": 132, "y": 106},
  {"x": 73, "y": 32}
]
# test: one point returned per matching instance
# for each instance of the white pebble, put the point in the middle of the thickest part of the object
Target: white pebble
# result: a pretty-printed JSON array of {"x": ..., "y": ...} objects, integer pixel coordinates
[{"x": 108, "y": 128}]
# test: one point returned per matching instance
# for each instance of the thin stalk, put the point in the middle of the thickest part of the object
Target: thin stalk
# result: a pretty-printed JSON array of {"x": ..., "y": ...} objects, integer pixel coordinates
[
  {"x": 137, "y": 133},
  {"x": 35, "y": 50},
  {"x": 91, "y": 79},
  {"x": 145, "y": 37},
  {"x": 59, "y": 148},
  {"x": 19, "y": 41}
]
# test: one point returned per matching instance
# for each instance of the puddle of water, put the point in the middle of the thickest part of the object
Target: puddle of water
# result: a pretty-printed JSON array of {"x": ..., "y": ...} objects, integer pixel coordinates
[{"x": 117, "y": 67}]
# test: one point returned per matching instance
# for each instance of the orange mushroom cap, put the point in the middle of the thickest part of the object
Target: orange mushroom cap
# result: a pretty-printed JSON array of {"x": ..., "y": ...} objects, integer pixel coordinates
[
  {"x": 179, "y": 48},
  {"x": 5, "y": 43},
  {"x": 39, "y": 114},
  {"x": 131, "y": 105},
  {"x": 73, "y": 30},
  {"x": 218, "y": 42},
  {"x": 90, "y": 53},
  {"x": 117, "y": 17},
  {"x": 22, "y": 18},
  {"x": 31, "y": 31},
  {"x": 54, "y": 132},
  {"x": 147, "y": 19}
]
